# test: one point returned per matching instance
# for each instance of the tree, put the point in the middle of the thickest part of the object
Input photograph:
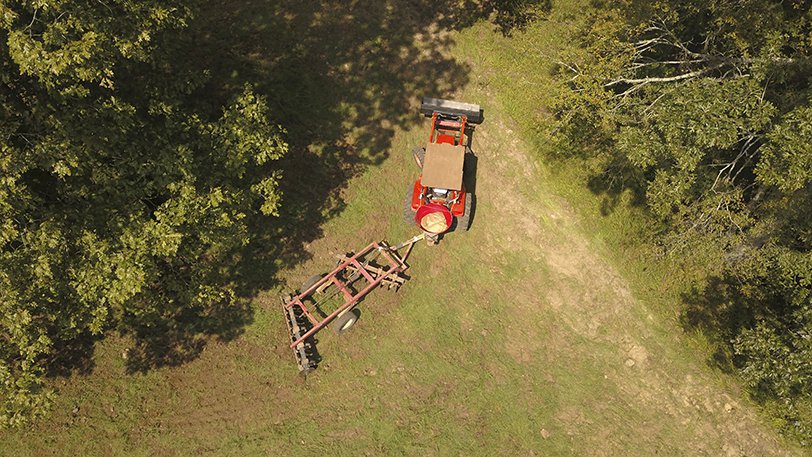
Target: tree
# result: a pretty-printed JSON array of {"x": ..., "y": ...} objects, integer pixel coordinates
[
  {"x": 123, "y": 187},
  {"x": 706, "y": 107}
]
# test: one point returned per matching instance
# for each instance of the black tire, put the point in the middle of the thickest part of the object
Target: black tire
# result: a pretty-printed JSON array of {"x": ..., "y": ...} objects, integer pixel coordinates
[
  {"x": 419, "y": 154},
  {"x": 345, "y": 321},
  {"x": 310, "y": 281},
  {"x": 464, "y": 221},
  {"x": 408, "y": 212}
]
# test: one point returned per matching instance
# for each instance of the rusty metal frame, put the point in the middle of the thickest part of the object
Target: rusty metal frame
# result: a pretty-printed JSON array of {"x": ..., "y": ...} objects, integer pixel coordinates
[{"x": 373, "y": 275}]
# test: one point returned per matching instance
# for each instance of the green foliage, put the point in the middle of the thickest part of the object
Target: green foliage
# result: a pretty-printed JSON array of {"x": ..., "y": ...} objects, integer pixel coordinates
[
  {"x": 120, "y": 196},
  {"x": 786, "y": 160},
  {"x": 685, "y": 137},
  {"x": 709, "y": 106},
  {"x": 775, "y": 348},
  {"x": 66, "y": 43}
]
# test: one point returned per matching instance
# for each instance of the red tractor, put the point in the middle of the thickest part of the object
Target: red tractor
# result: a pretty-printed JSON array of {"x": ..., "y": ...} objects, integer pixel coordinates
[{"x": 438, "y": 201}]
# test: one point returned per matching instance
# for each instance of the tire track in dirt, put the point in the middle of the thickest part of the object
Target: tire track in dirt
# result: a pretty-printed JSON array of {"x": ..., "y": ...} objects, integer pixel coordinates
[{"x": 596, "y": 305}]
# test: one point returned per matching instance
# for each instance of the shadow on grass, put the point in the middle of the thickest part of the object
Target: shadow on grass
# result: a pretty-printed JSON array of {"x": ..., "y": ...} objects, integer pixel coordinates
[
  {"x": 609, "y": 174},
  {"x": 720, "y": 312},
  {"x": 470, "y": 179},
  {"x": 615, "y": 178},
  {"x": 180, "y": 338},
  {"x": 350, "y": 74},
  {"x": 342, "y": 78},
  {"x": 73, "y": 356}
]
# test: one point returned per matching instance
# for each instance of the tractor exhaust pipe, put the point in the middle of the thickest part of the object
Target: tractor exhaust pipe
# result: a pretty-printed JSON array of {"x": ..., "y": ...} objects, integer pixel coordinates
[{"x": 474, "y": 113}]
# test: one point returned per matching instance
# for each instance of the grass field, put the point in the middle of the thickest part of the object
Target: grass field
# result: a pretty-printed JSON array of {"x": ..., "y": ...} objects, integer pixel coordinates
[{"x": 545, "y": 330}]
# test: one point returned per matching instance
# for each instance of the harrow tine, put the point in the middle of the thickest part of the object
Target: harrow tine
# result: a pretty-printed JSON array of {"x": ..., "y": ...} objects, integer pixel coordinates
[{"x": 307, "y": 357}]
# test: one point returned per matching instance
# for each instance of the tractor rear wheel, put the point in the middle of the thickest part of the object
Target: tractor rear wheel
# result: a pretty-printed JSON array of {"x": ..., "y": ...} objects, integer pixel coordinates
[
  {"x": 346, "y": 320},
  {"x": 408, "y": 212},
  {"x": 464, "y": 221}
]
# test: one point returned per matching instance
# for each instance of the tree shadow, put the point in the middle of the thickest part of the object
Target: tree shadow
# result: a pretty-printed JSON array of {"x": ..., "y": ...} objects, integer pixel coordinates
[
  {"x": 615, "y": 178},
  {"x": 179, "y": 338},
  {"x": 349, "y": 76},
  {"x": 507, "y": 16},
  {"x": 720, "y": 312},
  {"x": 610, "y": 176},
  {"x": 72, "y": 357}
]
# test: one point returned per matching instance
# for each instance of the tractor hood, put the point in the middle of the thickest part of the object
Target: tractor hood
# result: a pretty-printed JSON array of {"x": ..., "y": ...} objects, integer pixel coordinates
[{"x": 442, "y": 166}]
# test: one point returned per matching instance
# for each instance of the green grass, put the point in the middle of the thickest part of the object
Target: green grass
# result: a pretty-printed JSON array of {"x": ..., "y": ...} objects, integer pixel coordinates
[{"x": 512, "y": 339}]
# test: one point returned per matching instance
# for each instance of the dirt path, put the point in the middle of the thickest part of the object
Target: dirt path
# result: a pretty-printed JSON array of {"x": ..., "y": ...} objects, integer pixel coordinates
[{"x": 643, "y": 370}]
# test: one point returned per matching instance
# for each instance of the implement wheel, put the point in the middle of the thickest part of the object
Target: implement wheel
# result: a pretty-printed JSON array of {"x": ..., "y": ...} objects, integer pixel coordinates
[
  {"x": 345, "y": 321},
  {"x": 310, "y": 282}
]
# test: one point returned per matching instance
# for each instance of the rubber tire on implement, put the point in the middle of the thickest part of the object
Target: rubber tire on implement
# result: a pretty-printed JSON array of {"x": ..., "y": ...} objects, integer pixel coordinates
[
  {"x": 463, "y": 222},
  {"x": 408, "y": 212},
  {"x": 345, "y": 321}
]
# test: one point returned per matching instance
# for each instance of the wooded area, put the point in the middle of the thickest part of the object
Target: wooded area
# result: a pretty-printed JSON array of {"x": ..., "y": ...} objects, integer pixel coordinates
[
  {"x": 702, "y": 110},
  {"x": 123, "y": 193}
]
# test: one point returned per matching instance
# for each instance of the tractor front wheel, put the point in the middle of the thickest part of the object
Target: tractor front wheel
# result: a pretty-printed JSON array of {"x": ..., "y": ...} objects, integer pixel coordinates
[
  {"x": 419, "y": 154},
  {"x": 346, "y": 320},
  {"x": 464, "y": 221}
]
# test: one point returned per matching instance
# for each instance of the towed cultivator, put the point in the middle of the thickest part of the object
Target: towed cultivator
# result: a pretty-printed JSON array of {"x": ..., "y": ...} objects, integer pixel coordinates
[
  {"x": 436, "y": 203},
  {"x": 354, "y": 277}
]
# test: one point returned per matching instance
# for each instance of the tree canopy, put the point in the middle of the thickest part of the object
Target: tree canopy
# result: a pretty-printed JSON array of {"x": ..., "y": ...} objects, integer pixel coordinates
[
  {"x": 704, "y": 109},
  {"x": 122, "y": 189}
]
